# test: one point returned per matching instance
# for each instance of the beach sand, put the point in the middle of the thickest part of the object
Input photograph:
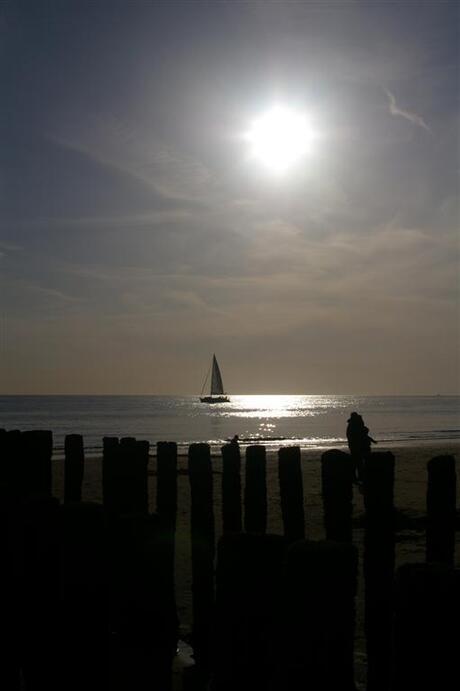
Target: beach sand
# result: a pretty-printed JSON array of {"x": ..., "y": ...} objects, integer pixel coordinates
[{"x": 410, "y": 499}]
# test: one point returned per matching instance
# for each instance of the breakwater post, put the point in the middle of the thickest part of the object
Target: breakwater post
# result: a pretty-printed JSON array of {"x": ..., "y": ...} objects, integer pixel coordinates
[
  {"x": 337, "y": 494},
  {"x": 379, "y": 561},
  {"x": 255, "y": 491},
  {"x": 427, "y": 638},
  {"x": 316, "y": 630},
  {"x": 231, "y": 489},
  {"x": 80, "y": 655},
  {"x": 166, "y": 506},
  {"x": 248, "y": 587},
  {"x": 74, "y": 467},
  {"x": 143, "y": 612},
  {"x": 110, "y": 453},
  {"x": 35, "y": 591},
  {"x": 203, "y": 548},
  {"x": 291, "y": 493},
  {"x": 11, "y": 475},
  {"x": 441, "y": 510},
  {"x": 166, "y": 495},
  {"x": 132, "y": 476},
  {"x": 36, "y": 452},
  {"x": 9, "y": 625},
  {"x": 124, "y": 475}
]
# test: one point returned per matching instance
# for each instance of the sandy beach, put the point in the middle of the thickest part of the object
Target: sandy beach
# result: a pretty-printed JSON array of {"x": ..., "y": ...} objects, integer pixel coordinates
[{"x": 410, "y": 500}]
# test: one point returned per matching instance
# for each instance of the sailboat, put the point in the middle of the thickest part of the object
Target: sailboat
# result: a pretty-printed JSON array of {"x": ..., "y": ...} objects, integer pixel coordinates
[{"x": 217, "y": 393}]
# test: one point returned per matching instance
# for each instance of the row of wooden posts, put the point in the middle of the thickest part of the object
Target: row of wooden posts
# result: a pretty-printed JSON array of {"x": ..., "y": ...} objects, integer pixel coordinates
[{"x": 272, "y": 612}]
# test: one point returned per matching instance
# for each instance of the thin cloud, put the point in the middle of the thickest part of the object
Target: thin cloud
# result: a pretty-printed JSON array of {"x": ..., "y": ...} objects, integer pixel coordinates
[{"x": 407, "y": 114}]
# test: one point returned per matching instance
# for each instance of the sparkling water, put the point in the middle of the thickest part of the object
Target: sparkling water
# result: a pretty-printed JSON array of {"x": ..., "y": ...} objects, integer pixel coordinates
[{"x": 309, "y": 421}]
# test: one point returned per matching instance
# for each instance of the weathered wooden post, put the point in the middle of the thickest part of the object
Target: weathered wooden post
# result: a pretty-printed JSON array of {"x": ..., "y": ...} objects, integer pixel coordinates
[
  {"x": 166, "y": 497},
  {"x": 28, "y": 588},
  {"x": 166, "y": 504},
  {"x": 110, "y": 459},
  {"x": 3, "y": 460},
  {"x": 203, "y": 548},
  {"x": 143, "y": 611},
  {"x": 74, "y": 467},
  {"x": 441, "y": 510},
  {"x": 11, "y": 561},
  {"x": 12, "y": 463},
  {"x": 231, "y": 489},
  {"x": 37, "y": 449},
  {"x": 248, "y": 583},
  {"x": 132, "y": 477},
  {"x": 255, "y": 491},
  {"x": 291, "y": 492},
  {"x": 427, "y": 635},
  {"x": 337, "y": 493},
  {"x": 379, "y": 560},
  {"x": 316, "y": 631},
  {"x": 124, "y": 475},
  {"x": 83, "y": 631}
]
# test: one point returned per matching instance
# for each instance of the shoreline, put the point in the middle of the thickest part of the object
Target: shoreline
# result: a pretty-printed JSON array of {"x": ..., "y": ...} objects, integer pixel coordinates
[{"x": 272, "y": 449}]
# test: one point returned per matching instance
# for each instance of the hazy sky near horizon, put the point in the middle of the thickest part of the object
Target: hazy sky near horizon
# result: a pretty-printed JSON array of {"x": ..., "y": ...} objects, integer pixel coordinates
[{"x": 137, "y": 237}]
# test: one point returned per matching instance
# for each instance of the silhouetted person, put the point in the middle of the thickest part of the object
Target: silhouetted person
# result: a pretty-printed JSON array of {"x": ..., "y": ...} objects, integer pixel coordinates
[
  {"x": 235, "y": 440},
  {"x": 359, "y": 443}
]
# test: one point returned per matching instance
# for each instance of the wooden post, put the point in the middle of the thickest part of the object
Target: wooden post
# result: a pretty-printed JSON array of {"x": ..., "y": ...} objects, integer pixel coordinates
[
  {"x": 143, "y": 612},
  {"x": 3, "y": 459},
  {"x": 427, "y": 638},
  {"x": 248, "y": 579},
  {"x": 110, "y": 456},
  {"x": 231, "y": 489},
  {"x": 37, "y": 449},
  {"x": 316, "y": 631},
  {"x": 337, "y": 493},
  {"x": 124, "y": 475},
  {"x": 38, "y": 587},
  {"x": 441, "y": 510},
  {"x": 133, "y": 477},
  {"x": 81, "y": 653},
  {"x": 291, "y": 492},
  {"x": 166, "y": 503},
  {"x": 202, "y": 525},
  {"x": 255, "y": 491},
  {"x": 74, "y": 467},
  {"x": 12, "y": 461},
  {"x": 11, "y": 560},
  {"x": 166, "y": 499},
  {"x": 379, "y": 560}
]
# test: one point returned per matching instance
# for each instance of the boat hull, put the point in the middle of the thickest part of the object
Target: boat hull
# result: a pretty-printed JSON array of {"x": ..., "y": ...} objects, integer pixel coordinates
[{"x": 214, "y": 399}]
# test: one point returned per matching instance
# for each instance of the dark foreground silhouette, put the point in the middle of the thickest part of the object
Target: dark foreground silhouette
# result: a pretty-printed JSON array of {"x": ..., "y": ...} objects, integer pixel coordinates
[{"x": 87, "y": 590}]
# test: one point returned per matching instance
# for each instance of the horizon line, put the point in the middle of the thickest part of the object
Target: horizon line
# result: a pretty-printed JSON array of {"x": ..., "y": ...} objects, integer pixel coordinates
[{"x": 194, "y": 395}]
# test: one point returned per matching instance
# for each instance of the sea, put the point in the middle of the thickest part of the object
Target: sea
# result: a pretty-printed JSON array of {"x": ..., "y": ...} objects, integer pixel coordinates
[{"x": 309, "y": 421}]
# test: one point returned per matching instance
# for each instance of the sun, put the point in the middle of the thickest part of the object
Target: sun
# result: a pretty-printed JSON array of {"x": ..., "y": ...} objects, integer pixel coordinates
[{"x": 280, "y": 138}]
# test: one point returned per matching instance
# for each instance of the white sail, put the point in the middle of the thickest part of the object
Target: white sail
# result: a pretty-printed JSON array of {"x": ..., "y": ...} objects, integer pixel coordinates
[{"x": 217, "y": 387}]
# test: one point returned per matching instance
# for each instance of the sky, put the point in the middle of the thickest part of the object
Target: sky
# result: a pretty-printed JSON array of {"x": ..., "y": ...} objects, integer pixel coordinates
[{"x": 138, "y": 236}]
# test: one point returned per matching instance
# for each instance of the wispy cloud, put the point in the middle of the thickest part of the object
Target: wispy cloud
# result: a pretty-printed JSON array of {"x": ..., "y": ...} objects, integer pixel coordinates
[
  {"x": 9, "y": 247},
  {"x": 414, "y": 118},
  {"x": 137, "y": 152}
]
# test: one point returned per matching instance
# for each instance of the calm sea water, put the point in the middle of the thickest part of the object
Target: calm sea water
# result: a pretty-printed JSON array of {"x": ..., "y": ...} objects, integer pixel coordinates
[{"x": 309, "y": 421}]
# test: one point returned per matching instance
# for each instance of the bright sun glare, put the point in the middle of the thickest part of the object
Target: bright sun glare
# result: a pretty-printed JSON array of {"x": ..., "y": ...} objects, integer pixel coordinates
[{"x": 279, "y": 138}]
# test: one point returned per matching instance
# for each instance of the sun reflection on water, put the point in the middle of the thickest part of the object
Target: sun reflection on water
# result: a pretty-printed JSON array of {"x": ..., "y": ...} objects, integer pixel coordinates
[{"x": 279, "y": 406}]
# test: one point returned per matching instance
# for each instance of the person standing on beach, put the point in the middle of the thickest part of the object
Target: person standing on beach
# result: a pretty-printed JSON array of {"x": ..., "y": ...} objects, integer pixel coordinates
[{"x": 359, "y": 443}]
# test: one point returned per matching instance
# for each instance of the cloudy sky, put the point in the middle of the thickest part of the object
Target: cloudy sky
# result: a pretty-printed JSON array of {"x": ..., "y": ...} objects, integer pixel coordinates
[{"x": 137, "y": 236}]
